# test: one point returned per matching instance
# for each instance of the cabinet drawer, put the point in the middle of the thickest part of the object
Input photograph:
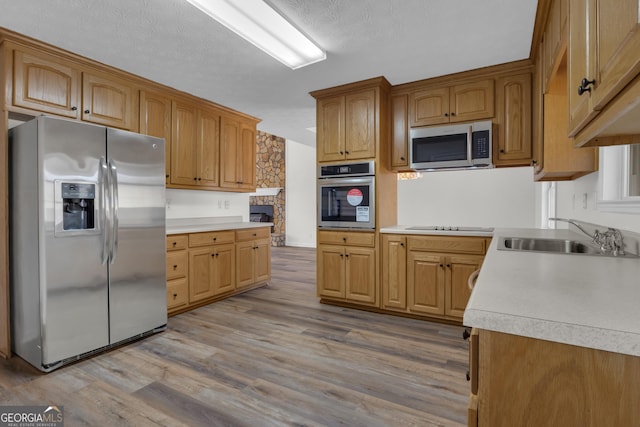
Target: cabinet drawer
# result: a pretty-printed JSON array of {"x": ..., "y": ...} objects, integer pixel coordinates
[
  {"x": 177, "y": 264},
  {"x": 177, "y": 293},
  {"x": 210, "y": 238},
  {"x": 253, "y": 234},
  {"x": 176, "y": 242},
  {"x": 465, "y": 245},
  {"x": 346, "y": 238}
]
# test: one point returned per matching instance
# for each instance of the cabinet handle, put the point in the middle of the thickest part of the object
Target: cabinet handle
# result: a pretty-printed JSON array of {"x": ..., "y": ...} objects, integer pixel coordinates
[
  {"x": 342, "y": 152},
  {"x": 175, "y": 296},
  {"x": 344, "y": 239},
  {"x": 166, "y": 176},
  {"x": 346, "y": 152},
  {"x": 448, "y": 265},
  {"x": 254, "y": 234},
  {"x": 466, "y": 334},
  {"x": 446, "y": 114},
  {"x": 453, "y": 114},
  {"x": 215, "y": 238},
  {"x": 74, "y": 108},
  {"x": 584, "y": 86},
  {"x": 174, "y": 244},
  {"x": 468, "y": 376},
  {"x": 402, "y": 245},
  {"x": 86, "y": 111},
  {"x": 502, "y": 150},
  {"x": 175, "y": 267},
  {"x": 346, "y": 255},
  {"x": 199, "y": 179},
  {"x": 402, "y": 158},
  {"x": 341, "y": 255},
  {"x": 534, "y": 162},
  {"x": 195, "y": 179},
  {"x": 441, "y": 265},
  {"x": 238, "y": 182}
]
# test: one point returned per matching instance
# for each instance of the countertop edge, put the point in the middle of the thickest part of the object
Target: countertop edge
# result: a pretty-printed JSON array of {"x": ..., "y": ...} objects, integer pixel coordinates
[
  {"x": 405, "y": 230},
  {"x": 563, "y": 333},
  {"x": 203, "y": 228}
]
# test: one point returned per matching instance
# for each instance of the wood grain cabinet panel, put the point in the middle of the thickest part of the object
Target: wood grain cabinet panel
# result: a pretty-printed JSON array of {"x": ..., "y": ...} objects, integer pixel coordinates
[
  {"x": 253, "y": 256},
  {"x": 513, "y": 143},
  {"x": 425, "y": 283},
  {"x": 237, "y": 154},
  {"x": 44, "y": 83},
  {"x": 394, "y": 272},
  {"x": 330, "y": 123},
  {"x": 399, "y": 132},
  {"x": 360, "y": 275},
  {"x": 109, "y": 101},
  {"x": 155, "y": 120},
  {"x": 457, "y": 294}
]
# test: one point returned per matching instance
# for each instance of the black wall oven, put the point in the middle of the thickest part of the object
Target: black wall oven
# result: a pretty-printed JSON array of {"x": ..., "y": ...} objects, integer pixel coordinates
[{"x": 346, "y": 196}]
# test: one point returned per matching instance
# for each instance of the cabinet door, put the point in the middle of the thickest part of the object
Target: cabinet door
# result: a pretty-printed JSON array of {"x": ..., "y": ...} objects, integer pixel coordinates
[
  {"x": 208, "y": 147},
  {"x": 514, "y": 120},
  {"x": 224, "y": 268},
  {"x": 155, "y": 120},
  {"x": 472, "y": 101},
  {"x": 262, "y": 260},
  {"x": 331, "y": 270},
  {"x": 41, "y": 83},
  {"x": 537, "y": 114},
  {"x": 579, "y": 64},
  {"x": 458, "y": 268},
  {"x": 184, "y": 136},
  {"x": 330, "y": 122},
  {"x": 360, "y": 275},
  {"x": 394, "y": 272},
  {"x": 616, "y": 47},
  {"x": 247, "y": 157},
  {"x": 399, "y": 132},
  {"x": 108, "y": 101},
  {"x": 360, "y": 125},
  {"x": 201, "y": 274},
  {"x": 425, "y": 283},
  {"x": 429, "y": 107},
  {"x": 177, "y": 294},
  {"x": 244, "y": 264},
  {"x": 230, "y": 151}
]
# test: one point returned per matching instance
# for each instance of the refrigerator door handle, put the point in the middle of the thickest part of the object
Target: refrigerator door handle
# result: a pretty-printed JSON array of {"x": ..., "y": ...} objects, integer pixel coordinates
[
  {"x": 114, "y": 211},
  {"x": 104, "y": 177}
]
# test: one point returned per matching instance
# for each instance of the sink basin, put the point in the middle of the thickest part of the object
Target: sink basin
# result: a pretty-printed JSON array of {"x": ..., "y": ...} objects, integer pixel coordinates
[{"x": 560, "y": 246}]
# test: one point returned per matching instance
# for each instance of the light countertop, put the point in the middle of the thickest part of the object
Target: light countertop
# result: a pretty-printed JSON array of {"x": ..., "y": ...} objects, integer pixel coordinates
[
  {"x": 408, "y": 229},
  {"x": 197, "y": 225},
  {"x": 588, "y": 301}
]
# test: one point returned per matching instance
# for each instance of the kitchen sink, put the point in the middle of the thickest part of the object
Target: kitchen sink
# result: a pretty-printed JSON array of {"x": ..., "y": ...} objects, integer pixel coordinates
[{"x": 561, "y": 246}]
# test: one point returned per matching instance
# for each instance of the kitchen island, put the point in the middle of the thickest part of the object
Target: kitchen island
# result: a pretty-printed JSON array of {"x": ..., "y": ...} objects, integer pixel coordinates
[{"x": 556, "y": 337}]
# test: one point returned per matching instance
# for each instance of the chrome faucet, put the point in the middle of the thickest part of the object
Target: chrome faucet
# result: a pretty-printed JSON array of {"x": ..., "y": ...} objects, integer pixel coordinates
[{"x": 610, "y": 241}]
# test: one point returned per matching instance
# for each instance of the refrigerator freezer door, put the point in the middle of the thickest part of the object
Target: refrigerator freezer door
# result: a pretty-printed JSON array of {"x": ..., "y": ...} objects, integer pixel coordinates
[
  {"x": 73, "y": 288},
  {"x": 137, "y": 273}
]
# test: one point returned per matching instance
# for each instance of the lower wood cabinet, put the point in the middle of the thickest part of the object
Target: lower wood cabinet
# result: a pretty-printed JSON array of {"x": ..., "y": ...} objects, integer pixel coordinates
[
  {"x": 524, "y": 381},
  {"x": 204, "y": 267},
  {"x": 428, "y": 275},
  {"x": 347, "y": 267}
]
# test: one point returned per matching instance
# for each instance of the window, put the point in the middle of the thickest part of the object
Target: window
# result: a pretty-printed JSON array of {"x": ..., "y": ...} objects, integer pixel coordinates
[{"x": 620, "y": 179}]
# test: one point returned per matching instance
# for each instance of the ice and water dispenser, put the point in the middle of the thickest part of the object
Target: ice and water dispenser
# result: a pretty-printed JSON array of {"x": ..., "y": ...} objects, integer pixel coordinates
[{"x": 78, "y": 201}]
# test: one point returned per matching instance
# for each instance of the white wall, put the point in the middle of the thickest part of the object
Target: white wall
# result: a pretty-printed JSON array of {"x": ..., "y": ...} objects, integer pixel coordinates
[
  {"x": 504, "y": 197},
  {"x": 300, "y": 194},
  {"x": 201, "y": 204},
  {"x": 570, "y": 205}
]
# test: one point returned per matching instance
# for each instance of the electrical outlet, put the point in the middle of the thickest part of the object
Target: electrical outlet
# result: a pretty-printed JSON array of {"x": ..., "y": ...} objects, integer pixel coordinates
[
  {"x": 219, "y": 204},
  {"x": 584, "y": 200},
  {"x": 226, "y": 204}
]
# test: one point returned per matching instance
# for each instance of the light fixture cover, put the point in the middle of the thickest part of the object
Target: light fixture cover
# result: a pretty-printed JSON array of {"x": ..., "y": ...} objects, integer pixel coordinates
[{"x": 265, "y": 28}]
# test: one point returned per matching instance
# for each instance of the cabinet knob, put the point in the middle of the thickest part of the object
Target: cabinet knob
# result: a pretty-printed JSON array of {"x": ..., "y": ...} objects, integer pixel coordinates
[
  {"x": 238, "y": 182},
  {"x": 74, "y": 108},
  {"x": 341, "y": 255},
  {"x": 342, "y": 152},
  {"x": 86, "y": 111},
  {"x": 441, "y": 265},
  {"x": 175, "y": 296},
  {"x": 199, "y": 179},
  {"x": 453, "y": 114},
  {"x": 468, "y": 376},
  {"x": 215, "y": 238},
  {"x": 174, "y": 244},
  {"x": 346, "y": 152},
  {"x": 166, "y": 176},
  {"x": 502, "y": 151},
  {"x": 466, "y": 334},
  {"x": 446, "y": 114},
  {"x": 346, "y": 255},
  {"x": 344, "y": 239},
  {"x": 534, "y": 162},
  {"x": 254, "y": 234},
  {"x": 175, "y": 267},
  {"x": 402, "y": 158},
  {"x": 195, "y": 179},
  {"x": 402, "y": 245},
  {"x": 584, "y": 86},
  {"x": 448, "y": 265}
]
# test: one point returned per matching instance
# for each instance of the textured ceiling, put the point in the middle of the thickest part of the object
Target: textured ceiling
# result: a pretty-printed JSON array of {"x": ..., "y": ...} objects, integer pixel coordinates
[{"x": 171, "y": 42}]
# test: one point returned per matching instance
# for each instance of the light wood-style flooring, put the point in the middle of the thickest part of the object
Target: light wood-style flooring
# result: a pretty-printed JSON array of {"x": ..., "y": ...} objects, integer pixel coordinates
[{"x": 271, "y": 357}]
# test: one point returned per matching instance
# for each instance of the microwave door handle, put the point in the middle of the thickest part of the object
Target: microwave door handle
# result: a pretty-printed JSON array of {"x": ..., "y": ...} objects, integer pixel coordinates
[{"x": 469, "y": 144}]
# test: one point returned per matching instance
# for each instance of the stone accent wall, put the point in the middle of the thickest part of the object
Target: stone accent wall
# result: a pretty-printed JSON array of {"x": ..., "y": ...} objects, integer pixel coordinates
[{"x": 270, "y": 172}]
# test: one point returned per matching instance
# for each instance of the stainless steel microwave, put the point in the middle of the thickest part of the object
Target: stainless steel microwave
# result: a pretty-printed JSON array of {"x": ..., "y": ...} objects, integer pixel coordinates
[{"x": 452, "y": 146}]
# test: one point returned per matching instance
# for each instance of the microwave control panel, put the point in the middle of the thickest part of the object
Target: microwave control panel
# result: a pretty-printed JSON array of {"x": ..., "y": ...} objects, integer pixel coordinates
[{"x": 481, "y": 149}]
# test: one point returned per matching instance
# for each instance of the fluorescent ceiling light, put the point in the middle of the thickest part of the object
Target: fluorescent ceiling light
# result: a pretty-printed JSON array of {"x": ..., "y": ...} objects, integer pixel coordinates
[{"x": 259, "y": 24}]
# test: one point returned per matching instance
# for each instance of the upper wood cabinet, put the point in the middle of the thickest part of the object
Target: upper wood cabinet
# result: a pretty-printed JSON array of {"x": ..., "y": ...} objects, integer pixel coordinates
[
  {"x": 399, "y": 132},
  {"x": 459, "y": 103},
  {"x": 512, "y": 141},
  {"x": 237, "y": 153},
  {"x": 352, "y": 120},
  {"x": 346, "y": 126},
  {"x": 155, "y": 120},
  {"x": 109, "y": 101},
  {"x": 195, "y": 145},
  {"x": 603, "y": 56},
  {"x": 44, "y": 83},
  {"x": 555, "y": 36}
]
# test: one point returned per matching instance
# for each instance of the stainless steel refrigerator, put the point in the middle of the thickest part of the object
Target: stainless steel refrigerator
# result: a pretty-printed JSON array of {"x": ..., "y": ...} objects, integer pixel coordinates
[{"x": 87, "y": 239}]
